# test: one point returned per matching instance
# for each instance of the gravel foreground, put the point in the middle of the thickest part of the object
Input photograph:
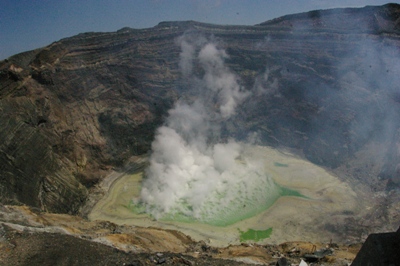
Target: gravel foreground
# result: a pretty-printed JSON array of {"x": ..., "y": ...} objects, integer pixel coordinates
[{"x": 23, "y": 245}]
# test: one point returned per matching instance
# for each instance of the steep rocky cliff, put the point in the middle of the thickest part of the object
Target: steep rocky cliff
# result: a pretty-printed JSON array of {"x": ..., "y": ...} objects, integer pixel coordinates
[{"x": 324, "y": 83}]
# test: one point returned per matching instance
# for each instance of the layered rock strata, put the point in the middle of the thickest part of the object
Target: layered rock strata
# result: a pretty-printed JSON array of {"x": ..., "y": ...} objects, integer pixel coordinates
[{"x": 323, "y": 83}]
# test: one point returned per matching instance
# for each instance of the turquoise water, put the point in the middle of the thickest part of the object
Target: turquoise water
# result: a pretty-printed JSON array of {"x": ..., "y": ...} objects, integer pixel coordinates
[
  {"x": 254, "y": 235},
  {"x": 281, "y": 164},
  {"x": 225, "y": 208}
]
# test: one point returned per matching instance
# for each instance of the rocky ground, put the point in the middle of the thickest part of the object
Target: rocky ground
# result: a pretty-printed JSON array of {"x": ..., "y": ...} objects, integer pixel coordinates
[{"x": 30, "y": 237}]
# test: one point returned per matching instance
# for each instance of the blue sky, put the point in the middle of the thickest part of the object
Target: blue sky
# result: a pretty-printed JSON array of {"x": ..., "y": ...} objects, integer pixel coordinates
[{"x": 30, "y": 24}]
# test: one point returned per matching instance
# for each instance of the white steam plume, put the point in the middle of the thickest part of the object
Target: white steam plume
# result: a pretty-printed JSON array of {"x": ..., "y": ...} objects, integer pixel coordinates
[{"x": 189, "y": 176}]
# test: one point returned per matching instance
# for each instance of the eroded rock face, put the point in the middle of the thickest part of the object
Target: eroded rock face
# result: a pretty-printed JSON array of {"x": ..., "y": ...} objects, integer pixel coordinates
[{"x": 324, "y": 83}]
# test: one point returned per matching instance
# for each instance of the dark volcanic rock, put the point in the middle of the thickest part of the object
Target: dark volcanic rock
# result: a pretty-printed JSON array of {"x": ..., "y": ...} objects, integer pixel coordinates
[
  {"x": 324, "y": 83},
  {"x": 380, "y": 249}
]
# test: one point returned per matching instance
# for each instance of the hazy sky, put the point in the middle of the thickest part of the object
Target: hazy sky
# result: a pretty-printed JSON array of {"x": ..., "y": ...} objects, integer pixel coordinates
[{"x": 30, "y": 24}]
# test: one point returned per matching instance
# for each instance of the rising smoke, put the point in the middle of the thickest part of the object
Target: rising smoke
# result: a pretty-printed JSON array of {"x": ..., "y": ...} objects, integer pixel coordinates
[
  {"x": 192, "y": 175},
  {"x": 329, "y": 113}
]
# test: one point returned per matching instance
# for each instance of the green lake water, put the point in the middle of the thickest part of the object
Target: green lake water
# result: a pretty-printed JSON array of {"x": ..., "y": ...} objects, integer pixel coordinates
[{"x": 237, "y": 210}]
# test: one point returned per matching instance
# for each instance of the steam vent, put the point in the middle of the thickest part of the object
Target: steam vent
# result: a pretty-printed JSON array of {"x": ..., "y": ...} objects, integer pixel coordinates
[{"x": 200, "y": 144}]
